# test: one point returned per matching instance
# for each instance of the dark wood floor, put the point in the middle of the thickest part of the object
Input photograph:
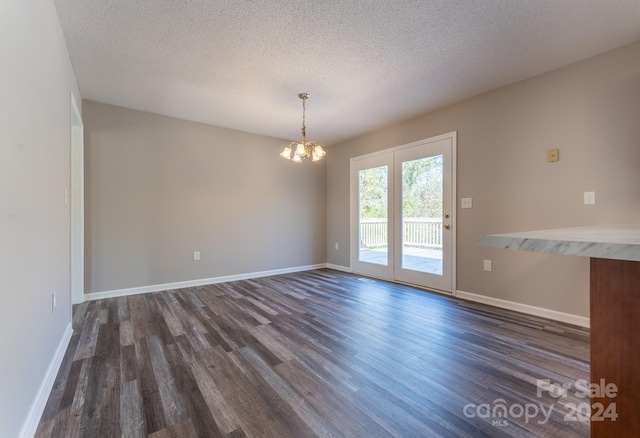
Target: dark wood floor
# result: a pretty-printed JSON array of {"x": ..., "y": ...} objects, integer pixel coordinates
[{"x": 317, "y": 353}]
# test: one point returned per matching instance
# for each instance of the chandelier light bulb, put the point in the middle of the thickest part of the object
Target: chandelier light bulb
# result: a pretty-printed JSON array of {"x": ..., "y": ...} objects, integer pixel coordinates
[{"x": 286, "y": 153}]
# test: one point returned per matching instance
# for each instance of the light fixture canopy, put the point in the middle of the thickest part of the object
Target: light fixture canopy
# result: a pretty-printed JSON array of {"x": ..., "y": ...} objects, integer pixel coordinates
[{"x": 297, "y": 151}]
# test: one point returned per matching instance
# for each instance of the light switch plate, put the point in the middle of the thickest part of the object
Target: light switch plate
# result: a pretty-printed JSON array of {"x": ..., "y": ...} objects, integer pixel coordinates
[
  {"x": 466, "y": 203},
  {"x": 553, "y": 155},
  {"x": 589, "y": 198}
]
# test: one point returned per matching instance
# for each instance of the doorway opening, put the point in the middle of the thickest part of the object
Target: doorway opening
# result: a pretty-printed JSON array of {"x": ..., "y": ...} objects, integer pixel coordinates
[{"x": 402, "y": 213}]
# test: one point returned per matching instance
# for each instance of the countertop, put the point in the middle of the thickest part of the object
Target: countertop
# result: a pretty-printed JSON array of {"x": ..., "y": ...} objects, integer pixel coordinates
[{"x": 619, "y": 242}]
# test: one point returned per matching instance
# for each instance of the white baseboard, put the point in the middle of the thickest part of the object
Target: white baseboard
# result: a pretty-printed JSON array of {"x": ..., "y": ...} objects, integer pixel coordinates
[
  {"x": 340, "y": 268},
  {"x": 30, "y": 424},
  {"x": 525, "y": 308},
  {"x": 194, "y": 283}
]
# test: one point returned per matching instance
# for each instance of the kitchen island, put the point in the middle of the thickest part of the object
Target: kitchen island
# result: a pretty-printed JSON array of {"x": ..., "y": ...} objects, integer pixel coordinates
[{"x": 614, "y": 252}]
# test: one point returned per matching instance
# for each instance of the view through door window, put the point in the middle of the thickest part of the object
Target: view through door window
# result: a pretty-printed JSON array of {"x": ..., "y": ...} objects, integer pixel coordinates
[
  {"x": 373, "y": 214},
  {"x": 422, "y": 214}
]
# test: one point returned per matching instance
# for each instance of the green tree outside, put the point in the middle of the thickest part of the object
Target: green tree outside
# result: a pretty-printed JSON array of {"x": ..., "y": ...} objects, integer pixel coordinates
[{"x": 421, "y": 189}]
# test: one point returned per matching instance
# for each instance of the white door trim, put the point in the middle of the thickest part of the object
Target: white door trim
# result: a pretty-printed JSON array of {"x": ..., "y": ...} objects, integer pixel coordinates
[{"x": 77, "y": 204}]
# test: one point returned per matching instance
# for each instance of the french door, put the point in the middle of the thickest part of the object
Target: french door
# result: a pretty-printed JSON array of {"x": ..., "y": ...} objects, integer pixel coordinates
[{"x": 402, "y": 218}]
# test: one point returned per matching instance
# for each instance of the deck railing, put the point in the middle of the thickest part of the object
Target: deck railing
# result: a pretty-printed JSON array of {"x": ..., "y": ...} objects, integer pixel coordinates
[
  {"x": 418, "y": 232},
  {"x": 373, "y": 233}
]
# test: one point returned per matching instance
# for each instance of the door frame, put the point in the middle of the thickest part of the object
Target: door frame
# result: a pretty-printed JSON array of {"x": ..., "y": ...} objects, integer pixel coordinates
[
  {"x": 353, "y": 210},
  {"x": 77, "y": 204}
]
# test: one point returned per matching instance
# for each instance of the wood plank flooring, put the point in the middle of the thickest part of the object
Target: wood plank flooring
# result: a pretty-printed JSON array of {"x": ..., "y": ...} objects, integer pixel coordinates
[{"x": 312, "y": 354}]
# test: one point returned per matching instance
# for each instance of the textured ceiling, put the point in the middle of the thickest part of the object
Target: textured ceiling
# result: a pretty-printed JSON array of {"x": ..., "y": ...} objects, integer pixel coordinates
[{"x": 366, "y": 63}]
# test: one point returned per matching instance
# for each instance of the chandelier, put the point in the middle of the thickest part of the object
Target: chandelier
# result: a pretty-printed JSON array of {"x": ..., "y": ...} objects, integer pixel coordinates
[{"x": 297, "y": 151}]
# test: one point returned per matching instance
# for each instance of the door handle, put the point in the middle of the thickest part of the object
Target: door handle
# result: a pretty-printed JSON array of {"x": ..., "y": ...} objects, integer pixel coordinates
[{"x": 446, "y": 226}]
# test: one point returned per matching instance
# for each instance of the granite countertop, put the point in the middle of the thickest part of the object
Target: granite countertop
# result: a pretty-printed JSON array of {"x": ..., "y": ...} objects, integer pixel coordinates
[{"x": 620, "y": 242}]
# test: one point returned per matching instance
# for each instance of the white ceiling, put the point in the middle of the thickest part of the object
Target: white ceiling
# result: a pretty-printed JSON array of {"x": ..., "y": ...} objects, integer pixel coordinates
[{"x": 366, "y": 63}]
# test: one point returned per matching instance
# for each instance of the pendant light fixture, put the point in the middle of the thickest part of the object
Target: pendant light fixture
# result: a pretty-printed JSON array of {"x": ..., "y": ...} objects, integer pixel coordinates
[{"x": 297, "y": 151}]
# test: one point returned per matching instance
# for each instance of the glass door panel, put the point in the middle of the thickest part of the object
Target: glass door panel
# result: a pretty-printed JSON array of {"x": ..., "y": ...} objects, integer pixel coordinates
[
  {"x": 421, "y": 214},
  {"x": 373, "y": 193},
  {"x": 371, "y": 235}
]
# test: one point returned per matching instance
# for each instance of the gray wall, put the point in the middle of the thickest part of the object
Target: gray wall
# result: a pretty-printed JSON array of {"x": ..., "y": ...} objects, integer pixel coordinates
[
  {"x": 36, "y": 81},
  {"x": 160, "y": 188},
  {"x": 588, "y": 110}
]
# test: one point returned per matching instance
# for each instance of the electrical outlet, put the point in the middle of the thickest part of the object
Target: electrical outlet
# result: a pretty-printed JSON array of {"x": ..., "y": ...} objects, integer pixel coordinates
[
  {"x": 337, "y": 246},
  {"x": 54, "y": 302},
  {"x": 466, "y": 203},
  {"x": 196, "y": 255},
  {"x": 589, "y": 198},
  {"x": 487, "y": 265}
]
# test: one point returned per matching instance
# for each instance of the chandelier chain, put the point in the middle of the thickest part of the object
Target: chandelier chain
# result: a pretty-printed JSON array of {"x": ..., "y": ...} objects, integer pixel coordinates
[
  {"x": 304, "y": 112},
  {"x": 304, "y": 97}
]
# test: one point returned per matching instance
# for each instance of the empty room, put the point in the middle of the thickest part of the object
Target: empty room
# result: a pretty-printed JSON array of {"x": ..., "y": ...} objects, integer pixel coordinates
[{"x": 320, "y": 219}]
